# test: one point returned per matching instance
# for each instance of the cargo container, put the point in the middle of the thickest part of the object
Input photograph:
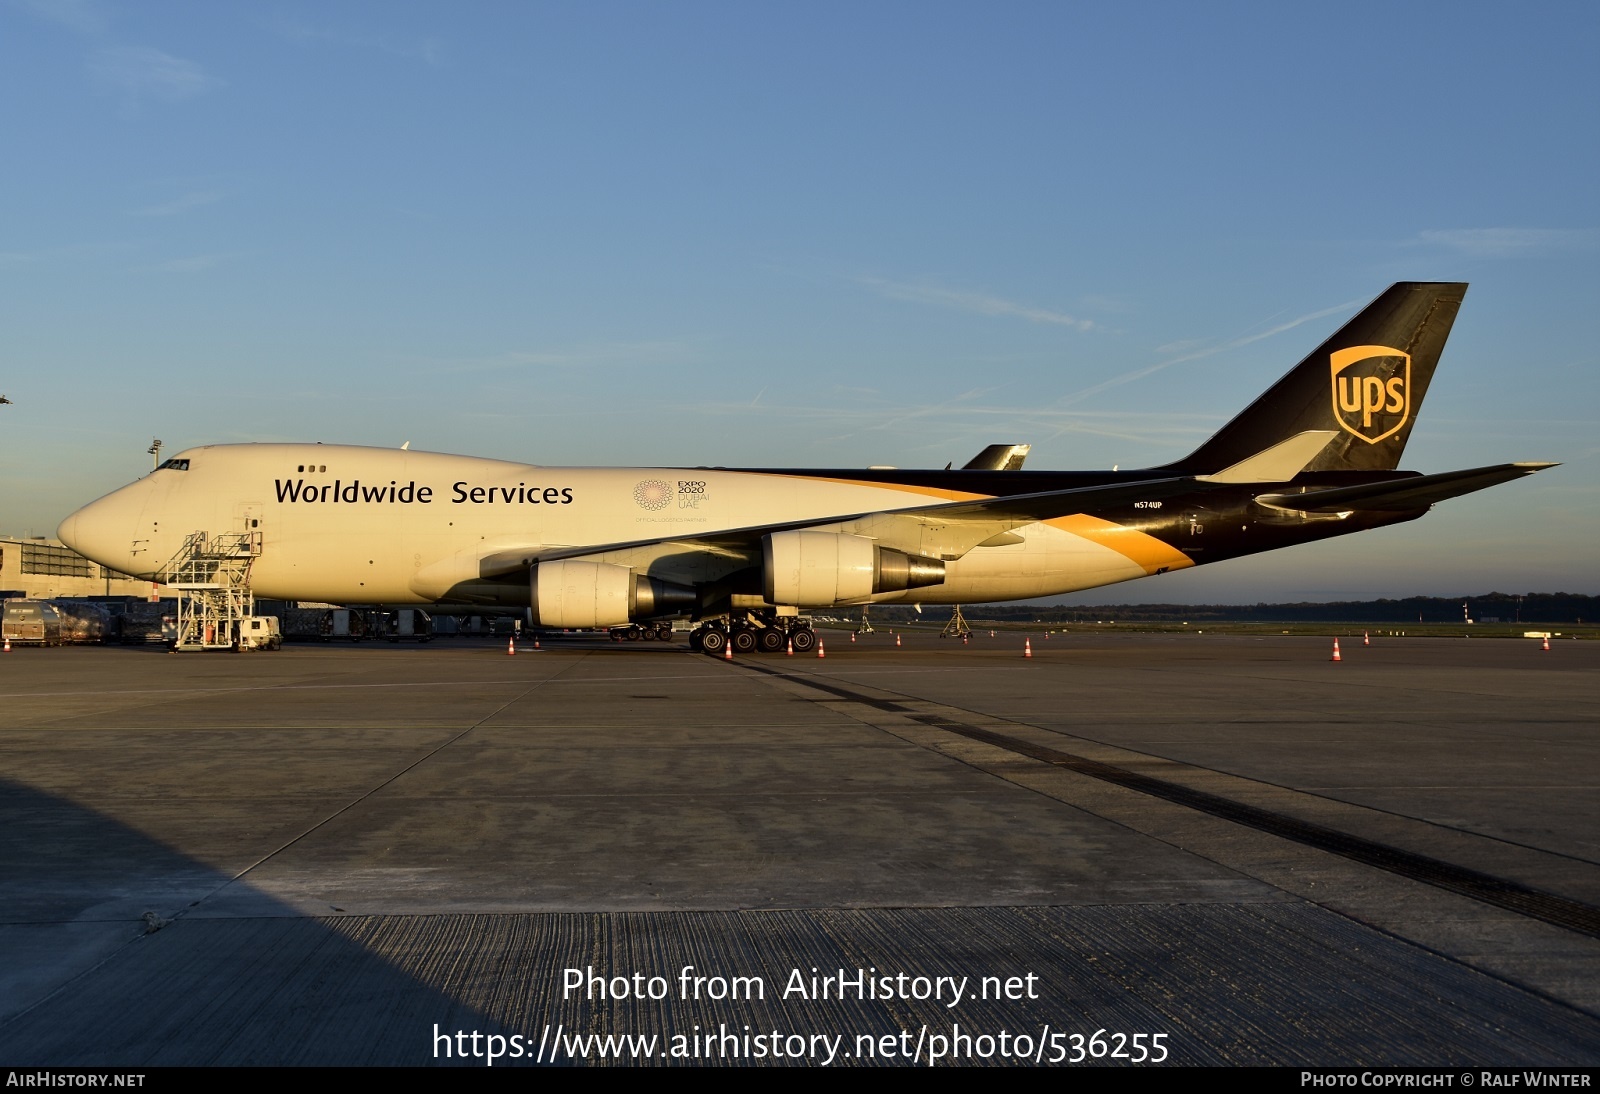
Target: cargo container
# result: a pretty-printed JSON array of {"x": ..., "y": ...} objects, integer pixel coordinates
[
  {"x": 57, "y": 622},
  {"x": 139, "y": 623},
  {"x": 32, "y": 623},
  {"x": 408, "y": 623}
]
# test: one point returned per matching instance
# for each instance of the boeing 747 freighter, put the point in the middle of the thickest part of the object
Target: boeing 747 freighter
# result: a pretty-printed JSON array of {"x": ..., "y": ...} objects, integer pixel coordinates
[{"x": 744, "y": 550}]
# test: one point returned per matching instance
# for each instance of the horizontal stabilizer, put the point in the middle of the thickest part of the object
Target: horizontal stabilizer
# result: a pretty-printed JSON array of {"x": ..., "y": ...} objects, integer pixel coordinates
[{"x": 1417, "y": 492}]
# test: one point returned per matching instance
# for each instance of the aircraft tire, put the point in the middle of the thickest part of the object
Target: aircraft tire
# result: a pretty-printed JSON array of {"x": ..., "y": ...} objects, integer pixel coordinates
[
  {"x": 713, "y": 642},
  {"x": 770, "y": 640},
  {"x": 744, "y": 641},
  {"x": 804, "y": 639}
]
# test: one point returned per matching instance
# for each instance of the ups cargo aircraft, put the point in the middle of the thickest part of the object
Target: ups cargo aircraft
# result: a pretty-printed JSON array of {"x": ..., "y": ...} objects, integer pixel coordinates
[{"x": 743, "y": 550}]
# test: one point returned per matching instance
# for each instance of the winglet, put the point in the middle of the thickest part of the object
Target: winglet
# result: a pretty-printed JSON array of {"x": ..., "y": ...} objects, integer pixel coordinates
[{"x": 999, "y": 457}]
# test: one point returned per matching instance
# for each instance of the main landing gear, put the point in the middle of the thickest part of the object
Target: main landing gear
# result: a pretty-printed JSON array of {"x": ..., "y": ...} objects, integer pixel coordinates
[{"x": 753, "y": 632}]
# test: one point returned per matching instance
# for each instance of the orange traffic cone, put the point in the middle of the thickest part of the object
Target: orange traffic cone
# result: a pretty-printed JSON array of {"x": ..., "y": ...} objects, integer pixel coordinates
[
  {"x": 535, "y": 641},
  {"x": 852, "y": 636},
  {"x": 727, "y": 652},
  {"x": 897, "y": 639},
  {"x": 1546, "y": 644},
  {"x": 1366, "y": 639},
  {"x": 791, "y": 647},
  {"x": 963, "y": 640},
  {"x": 1027, "y": 647},
  {"x": 511, "y": 647},
  {"x": 820, "y": 651},
  {"x": 991, "y": 634},
  {"x": 8, "y": 644},
  {"x": 1336, "y": 656}
]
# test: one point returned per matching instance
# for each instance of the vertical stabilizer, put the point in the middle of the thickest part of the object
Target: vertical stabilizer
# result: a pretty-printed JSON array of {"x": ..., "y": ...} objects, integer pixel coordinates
[{"x": 1364, "y": 385}]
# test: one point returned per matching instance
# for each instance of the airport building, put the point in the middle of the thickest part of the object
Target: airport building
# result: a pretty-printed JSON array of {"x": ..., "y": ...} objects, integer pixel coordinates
[{"x": 43, "y": 569}]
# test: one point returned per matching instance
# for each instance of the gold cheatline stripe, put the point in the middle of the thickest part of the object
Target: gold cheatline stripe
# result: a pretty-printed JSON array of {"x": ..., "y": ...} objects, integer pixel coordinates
[{"x": 1146, "y": 550}]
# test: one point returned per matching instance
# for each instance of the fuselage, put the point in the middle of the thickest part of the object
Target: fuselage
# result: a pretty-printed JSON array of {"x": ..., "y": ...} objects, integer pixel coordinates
[{"x": 347, "y": 524}]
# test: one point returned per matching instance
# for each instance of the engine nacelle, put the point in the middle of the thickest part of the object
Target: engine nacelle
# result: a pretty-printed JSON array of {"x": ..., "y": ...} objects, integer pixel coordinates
[
  {"x": 822, "y": 569},
  {"x": 576, "y": 593}
]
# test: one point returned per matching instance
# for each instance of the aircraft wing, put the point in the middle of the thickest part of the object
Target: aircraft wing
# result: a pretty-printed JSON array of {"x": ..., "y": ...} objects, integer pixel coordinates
[
  {"x": 948, "y": 530},
  {"x": 1417, "y": 492},
  {"x": 945, "y": 530}
]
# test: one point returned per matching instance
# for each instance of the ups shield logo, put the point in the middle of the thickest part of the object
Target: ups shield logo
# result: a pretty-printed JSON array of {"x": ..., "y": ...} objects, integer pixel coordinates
[{"x": 1371, "y": 390}]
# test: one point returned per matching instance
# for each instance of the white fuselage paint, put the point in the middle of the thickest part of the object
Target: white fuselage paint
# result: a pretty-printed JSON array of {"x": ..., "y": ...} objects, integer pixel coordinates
[{"x": 371, "y": 525}]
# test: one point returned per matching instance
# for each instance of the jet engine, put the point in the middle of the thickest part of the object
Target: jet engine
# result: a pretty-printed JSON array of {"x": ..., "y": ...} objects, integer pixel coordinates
[
  {"x": 575, "y": 593},
  {"x": 821, "y": 569}
]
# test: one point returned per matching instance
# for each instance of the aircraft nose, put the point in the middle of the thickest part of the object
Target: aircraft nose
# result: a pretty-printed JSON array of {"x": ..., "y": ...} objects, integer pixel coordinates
[
  {"x": 103, "y": 530},
  {"x": 68, "y": 532}
]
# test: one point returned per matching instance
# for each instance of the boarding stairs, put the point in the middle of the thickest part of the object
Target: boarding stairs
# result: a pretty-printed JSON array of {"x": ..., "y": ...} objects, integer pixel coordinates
[{"x": 211, "y": 575}]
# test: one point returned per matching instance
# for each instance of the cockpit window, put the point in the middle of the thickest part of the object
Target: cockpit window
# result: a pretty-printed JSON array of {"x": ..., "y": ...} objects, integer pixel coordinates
[{"x": 174, "y": 465}]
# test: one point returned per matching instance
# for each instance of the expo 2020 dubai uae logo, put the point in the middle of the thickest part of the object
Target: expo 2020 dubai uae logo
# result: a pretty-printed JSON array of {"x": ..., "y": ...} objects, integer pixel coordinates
[{"x": 653, "y": 494}]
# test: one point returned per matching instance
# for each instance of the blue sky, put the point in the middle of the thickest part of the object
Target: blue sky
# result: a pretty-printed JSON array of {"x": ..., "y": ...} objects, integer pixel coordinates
[{"x": 811, "y": 234}]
